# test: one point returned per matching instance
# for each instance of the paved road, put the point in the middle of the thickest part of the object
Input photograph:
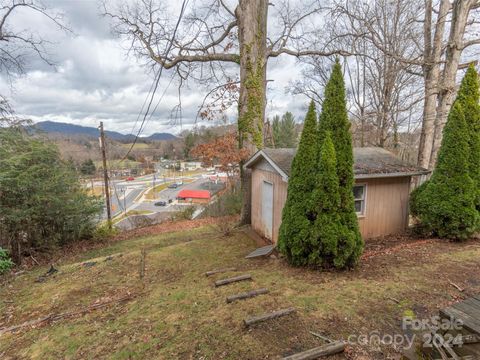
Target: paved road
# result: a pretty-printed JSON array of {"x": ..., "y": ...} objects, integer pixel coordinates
[
  {"x": 124, "y": 199},
  {"x": 168, "y": 194},
  {"x": 124, "y": 193},
  {"x": 127, "y": 191}
]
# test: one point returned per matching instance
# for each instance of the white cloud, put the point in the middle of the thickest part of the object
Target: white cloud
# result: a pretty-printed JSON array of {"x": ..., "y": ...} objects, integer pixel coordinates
[{"x": 95, "y": 80}]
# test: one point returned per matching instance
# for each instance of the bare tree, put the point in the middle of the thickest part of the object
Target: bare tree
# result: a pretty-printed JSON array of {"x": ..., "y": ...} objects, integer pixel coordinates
[
  {"x": 462, "y": 15},
  {"x": 215, "y": 38},
  {"x": 16, "y": 46},
  {"x": 380, "y": 87},
  {"x": 434, "y": 54}
]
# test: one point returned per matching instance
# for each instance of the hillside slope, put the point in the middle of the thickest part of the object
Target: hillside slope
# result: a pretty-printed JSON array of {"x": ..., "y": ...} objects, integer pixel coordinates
[
  {"x": 72, "y": 130},
  {"x": 176, "y": 312}
]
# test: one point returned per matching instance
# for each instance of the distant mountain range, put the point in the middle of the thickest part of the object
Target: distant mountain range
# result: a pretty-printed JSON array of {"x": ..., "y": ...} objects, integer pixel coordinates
[{"x": 72, "y": 130}]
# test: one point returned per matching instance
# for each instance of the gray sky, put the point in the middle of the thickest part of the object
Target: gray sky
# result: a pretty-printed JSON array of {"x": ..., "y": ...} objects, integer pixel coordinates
[{"x": 95, "y": 80}]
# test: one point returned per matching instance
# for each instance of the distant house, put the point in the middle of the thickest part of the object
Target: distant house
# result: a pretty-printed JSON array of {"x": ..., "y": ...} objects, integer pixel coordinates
[
  {"x": 381, "y": 191},
  {"x": 194, "y": 196},
  {"x": 190, "y": 165}
]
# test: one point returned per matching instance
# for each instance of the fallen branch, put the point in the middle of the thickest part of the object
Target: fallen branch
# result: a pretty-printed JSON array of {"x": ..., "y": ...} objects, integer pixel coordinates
[
  {"x": 213, "y": 272},
  {"x": 393, "y": 299},
  {"x": 232, "y": 280},
  {"x": 34, "y": 260},
  {"x": 456, "y": 286},
  {"x": 256, "y": 319},
  {"x": 56, "y": 317},
  {"x": 246, "y": 295},
  {"x": 321, "y": 337},
  {"x": 325, "y": 350}
]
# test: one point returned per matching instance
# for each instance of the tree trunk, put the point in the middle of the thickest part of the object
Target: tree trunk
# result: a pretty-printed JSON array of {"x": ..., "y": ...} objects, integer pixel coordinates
[
  {"x": 431, "y": 72},
  {"x": 447, "y": 89},
  {"x": 252, "y": 36},
  {"x": 16, "y": 248}
]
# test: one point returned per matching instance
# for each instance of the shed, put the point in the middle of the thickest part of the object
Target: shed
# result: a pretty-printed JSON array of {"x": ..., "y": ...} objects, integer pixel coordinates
[
  {"x": 381, "y": 191},
  {"x": 194, "y": 196}
]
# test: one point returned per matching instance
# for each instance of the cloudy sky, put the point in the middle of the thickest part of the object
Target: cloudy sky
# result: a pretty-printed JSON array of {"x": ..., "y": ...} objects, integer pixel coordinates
[{"x": 95, "y": 79}]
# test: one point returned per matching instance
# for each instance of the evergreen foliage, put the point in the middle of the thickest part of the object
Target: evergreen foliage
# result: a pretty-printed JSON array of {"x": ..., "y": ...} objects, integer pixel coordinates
[
  {"x": 445, "y": 205},
  {"x": 288, "y": 133},
  {"x": 469, "y": 96},
  {"x": 42, "y": 204},
  {"x": 327, "y": 228},
  {"x": 88, "y": 167},
  {"x": 5, "y": 262},
  {"x": 334, "y": 119},
  {"x": 295, "y": 230},
  {"x": 276, "y": 132},
  {"x": 284, "y": 131}
]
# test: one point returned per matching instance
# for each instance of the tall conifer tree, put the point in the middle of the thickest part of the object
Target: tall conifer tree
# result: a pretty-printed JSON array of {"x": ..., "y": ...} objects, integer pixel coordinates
[
  {"x": 469, "y": 96},
  {"x": 334, "y": 119},
  {"x": 445, "y": 205},
  {"x": 295, "y": 229},
  {"x": 327, "y": 228}
]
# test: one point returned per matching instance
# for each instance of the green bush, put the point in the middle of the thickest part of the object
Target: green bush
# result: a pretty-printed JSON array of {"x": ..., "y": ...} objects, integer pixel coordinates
[
  {"x": 42, "y": 202},
  {"x": 227, "y": 204},
  {"x": 103, "y": 232},
  {"x": 184, "y": 214},
  {"x": 445, "y": 205},
  {"x": 5, "y": 262}
]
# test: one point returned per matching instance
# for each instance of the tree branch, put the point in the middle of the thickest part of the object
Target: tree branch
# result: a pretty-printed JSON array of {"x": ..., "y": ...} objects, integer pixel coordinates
[{"x": 300, "y": 53}]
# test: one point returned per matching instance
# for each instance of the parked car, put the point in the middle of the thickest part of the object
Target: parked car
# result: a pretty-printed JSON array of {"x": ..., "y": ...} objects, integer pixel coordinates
[
  {"x": 161, "y": 203},
  {"x": 172, "y": 186},
  {"x": 130, "y": 178}
]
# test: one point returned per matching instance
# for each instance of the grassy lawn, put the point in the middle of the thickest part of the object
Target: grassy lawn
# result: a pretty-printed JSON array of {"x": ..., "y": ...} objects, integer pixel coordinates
[
  {"x": 130, "y": 213},
  {"x": 192, "y": 172},
  {"x": 177, "y": 313},
  {"x": 118, "y": 164},
  {"x": 138, "y": 145},
  {"x": 150, "y": 194}
]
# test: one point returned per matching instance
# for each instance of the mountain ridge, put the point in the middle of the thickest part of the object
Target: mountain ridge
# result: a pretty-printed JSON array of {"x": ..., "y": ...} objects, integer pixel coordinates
[{"x": 72, "y": 129}]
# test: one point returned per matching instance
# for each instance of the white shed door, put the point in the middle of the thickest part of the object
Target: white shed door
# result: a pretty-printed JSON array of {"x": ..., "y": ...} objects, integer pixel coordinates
[{"x": 267, "y": 208}]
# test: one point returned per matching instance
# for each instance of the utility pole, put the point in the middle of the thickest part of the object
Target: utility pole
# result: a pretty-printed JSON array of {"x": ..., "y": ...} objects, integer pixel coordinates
[{"x": 105, "y": 175}]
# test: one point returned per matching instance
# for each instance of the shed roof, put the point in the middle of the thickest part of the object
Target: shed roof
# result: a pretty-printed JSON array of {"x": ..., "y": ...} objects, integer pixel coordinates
[
  {"x": 194, "y": 194},
  {"x": 369, "y": 162}
]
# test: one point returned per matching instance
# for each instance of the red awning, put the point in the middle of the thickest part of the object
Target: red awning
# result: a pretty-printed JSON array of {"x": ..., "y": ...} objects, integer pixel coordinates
[{"x": 194, "y": 194}]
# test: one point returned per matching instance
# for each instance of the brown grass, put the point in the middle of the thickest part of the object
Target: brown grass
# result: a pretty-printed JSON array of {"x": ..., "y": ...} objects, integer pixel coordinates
[{"x": 179, "y": 314}]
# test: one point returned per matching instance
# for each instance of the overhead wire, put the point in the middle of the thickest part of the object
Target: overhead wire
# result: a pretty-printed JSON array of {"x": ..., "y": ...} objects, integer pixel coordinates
[{"x": 157, "y": 80}]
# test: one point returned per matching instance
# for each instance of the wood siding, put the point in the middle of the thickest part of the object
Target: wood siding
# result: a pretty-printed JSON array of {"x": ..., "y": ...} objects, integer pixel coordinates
[
  {"x": 386, "y": 208},
  {"x": 279, "y": 198}
]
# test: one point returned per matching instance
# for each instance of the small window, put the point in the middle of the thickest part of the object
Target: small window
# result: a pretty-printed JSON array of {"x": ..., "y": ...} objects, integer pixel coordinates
[{"x": 359, "y": 192}]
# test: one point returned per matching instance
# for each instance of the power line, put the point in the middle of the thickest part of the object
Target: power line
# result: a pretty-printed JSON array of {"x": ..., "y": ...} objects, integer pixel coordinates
[{"x": 157, "y": 80}]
